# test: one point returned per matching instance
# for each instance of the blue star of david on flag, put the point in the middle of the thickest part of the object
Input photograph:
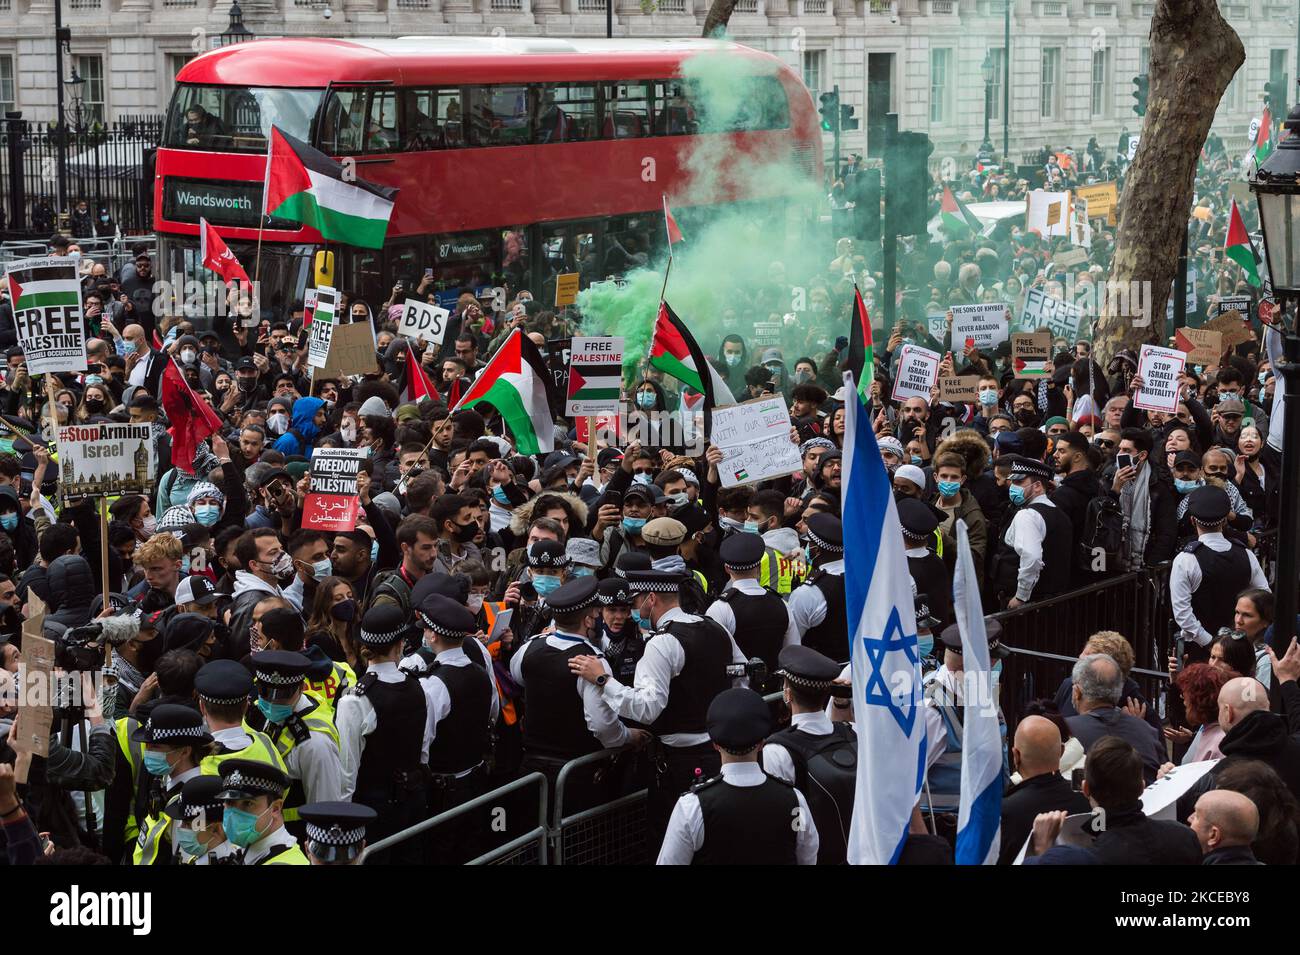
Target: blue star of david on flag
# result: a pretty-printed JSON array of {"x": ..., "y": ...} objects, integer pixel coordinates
[{"x": 878, "y": 692}]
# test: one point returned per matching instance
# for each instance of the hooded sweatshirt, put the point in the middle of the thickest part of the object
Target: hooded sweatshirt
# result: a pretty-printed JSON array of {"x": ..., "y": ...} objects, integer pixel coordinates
[{"x": 302, "y": 428}]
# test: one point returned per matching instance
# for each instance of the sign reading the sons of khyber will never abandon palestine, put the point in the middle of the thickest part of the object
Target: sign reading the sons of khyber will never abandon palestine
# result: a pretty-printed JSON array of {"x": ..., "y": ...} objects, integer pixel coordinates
[
  {"x": 46, "y": 299},
  {"x": 105, "y": 460}
]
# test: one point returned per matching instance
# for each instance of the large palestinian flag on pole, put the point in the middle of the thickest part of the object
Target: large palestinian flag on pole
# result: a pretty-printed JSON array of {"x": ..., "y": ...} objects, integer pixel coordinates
[
  {"x": 1238, "y": 247},
  {"x": 675, "y": 352},
  {"x": 957, "y": 219},
  {"x": 518, "y": 384},
  {"x": 861, "y": 359},
  {"x": 304, "y": 185},
  {"x": 1264, "y": 138}
]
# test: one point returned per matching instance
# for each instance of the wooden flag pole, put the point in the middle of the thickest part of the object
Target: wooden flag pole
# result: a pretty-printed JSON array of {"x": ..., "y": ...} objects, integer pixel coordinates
[
  {"x": 591, "y": 437},
  {"x": 103, "y": 573}
]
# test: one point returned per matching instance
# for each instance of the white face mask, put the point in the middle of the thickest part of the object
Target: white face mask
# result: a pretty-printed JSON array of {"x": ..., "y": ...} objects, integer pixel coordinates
[
  {"x": 474, "y": 603},
  {"x": 278, "y": 423},
  {"x": 188, "y": 355},
  {"x": 349, "y": 430}
]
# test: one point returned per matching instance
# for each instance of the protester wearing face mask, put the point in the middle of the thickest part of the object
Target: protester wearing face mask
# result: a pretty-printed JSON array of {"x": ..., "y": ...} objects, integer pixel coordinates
[
  {"x": 175, "y": 742},
  {"x": 207, "y": 502},
  {"x": 638, "y": 508},
  {"x": 267, "y": 567},
  {"x": 1189, "y": 474},
  {"x": 278, "y": 420},
  {"x": 733, "y": 362},
  {"x": 253, "y": 795},
  {"x": 311, "y": 560}
]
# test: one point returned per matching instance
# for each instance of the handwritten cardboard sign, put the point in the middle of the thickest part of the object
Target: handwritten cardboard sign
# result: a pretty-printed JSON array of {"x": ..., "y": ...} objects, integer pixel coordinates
[
  {"x": 1233, "y": 327},
  {"x": 754, "y": 438},
  {"x": 1031, "y": 354},
  {"x": 1203, "y": 346},
  {"x": 958, "y": 389},
  {"x": 352, "y": 352}
]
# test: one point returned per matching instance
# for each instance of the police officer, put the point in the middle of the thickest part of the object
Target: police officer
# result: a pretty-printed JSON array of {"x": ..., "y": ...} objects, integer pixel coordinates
[
  {"x": 816, "y": 756},
  {"x": 336, "y": 832},
  {"x": 622, "y": 640},
  {"x": 743, "y": 816},
  {"x": 300, "y": 726},
  {"x": 1207, "y": 576},
  {"x": 381, "y": 734},
  {"x": 223, "y": 688},
  {"x": 458, "y": 727},
  {"x": 945, "y": 692},
  {"x": 253, "y": 796},
  {"x": 929, "y": 573},
  {"x": 548, "y": 569},
  {"x": 683, "y": 668},
  {"x": 818, "y": 615},
  {"x": 754, "y": 615},
  {"x": 1033, "y": 560},
  {"x": 174, "y": 743},
  {"x": 196, "y": 816},
  {"x": 566, "y": 718}
]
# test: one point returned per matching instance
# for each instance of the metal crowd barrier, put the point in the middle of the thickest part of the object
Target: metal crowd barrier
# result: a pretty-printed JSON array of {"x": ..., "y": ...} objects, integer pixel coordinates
[{"x": 610, "y": 834}]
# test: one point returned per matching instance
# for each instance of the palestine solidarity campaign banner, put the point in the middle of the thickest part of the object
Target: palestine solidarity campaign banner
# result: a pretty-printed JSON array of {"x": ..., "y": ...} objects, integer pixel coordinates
[{"x": 46, "y": 298}]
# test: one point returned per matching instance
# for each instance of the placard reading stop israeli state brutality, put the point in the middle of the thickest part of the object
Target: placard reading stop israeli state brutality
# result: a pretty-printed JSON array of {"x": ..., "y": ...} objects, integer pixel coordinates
[
  {"x": 322, "y": 327},
  {"x": 918, "y": 369},
  {"x": 1159, "y": 369},
  {"x": 423, "y": 322},
  {"x": 105, "y": 460},
  {"x": 46, "y": 298},
  {"x": 331, "y": 503}
]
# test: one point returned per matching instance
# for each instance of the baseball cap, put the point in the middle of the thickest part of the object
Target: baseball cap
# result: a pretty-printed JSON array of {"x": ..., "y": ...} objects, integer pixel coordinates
[{"x": 196, "y": 589}]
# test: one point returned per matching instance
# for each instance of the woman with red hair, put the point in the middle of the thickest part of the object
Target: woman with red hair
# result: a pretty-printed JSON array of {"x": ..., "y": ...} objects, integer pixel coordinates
[{"x": 1199, "y": 685}]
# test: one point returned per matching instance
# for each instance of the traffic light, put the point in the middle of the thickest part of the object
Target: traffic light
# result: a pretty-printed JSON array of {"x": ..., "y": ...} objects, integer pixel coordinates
[
  {"x": 866, "y": 204},
  {"x": 830, "y": 110},
  {"x": 1141, "y": 85},
  {"x": 847, "y": 119},
  {"x": 1275, "y": 95},
  {"x": 907, "y": 184}
]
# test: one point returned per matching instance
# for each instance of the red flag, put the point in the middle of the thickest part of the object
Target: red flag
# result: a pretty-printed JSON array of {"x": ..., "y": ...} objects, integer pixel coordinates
[
  {"x": 670, "y": 223},
  {"x": 216, "y": 255},
  {"x": 157, "y": 342},
  {"x": 418, "y": 384},
  {"x": 192, "y": 419}
]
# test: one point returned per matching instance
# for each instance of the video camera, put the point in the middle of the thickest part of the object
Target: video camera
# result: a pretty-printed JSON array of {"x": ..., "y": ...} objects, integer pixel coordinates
[
  {"x": 754, "y": 669},
  {"x": 80, "y": 648}
]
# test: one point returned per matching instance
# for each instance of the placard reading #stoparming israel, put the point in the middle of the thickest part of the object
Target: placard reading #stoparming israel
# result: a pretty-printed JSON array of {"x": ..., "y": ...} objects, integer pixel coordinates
[{"x": 46, "y": 299}]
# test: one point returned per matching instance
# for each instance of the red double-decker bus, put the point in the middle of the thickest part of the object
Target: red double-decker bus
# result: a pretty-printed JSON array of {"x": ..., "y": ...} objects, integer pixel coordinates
[{"x": 517, "y": 159}]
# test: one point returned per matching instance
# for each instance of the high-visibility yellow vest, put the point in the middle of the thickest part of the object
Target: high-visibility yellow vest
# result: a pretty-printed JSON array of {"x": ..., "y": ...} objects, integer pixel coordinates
[
  {"x": 155, "y": 834},
  {"x": 134, "y": 753},
  {"x": 790, "y": 571},
  {"x": 328, "y": 690},
  {"x": 291, "y": 856},
  {"x": 319, "y": 719},
  {"x": 261, "y": 749}
]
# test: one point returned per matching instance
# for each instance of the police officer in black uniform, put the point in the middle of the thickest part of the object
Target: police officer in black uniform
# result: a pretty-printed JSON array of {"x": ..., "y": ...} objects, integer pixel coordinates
[
  {"x": 336, "y": 832},
  {"x": 381, "y": 725},
  {"x": 818, "y": 757},
  {"x": 1034, "y": 556},
  {"x": 1207, "y": 576},
  {"x": 754, "y": 615},
  {"x": 818, "y": 615},
  {"x": 621, "y": 638},
  {"x": 743, "y": 816},
  {"x": 928, "y": 571}
]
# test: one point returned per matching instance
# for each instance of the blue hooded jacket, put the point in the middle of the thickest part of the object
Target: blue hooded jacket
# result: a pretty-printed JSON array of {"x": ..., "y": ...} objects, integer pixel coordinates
[{"x": 304, "y": 411}]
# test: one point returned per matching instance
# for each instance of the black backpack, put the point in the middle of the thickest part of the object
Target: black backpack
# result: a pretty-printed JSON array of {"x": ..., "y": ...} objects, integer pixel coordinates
[
  {"x": 826, "y": 772},
  {"x": 1105, "y": 531}
]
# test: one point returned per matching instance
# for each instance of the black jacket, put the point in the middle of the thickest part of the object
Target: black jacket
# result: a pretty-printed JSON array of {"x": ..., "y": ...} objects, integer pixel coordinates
[
  {"x": 1072, "y": 496},
  {"x": 1232, "y": 855},
  {"x": 1111, "y": 721},
  {"x": 1065, "y": 702},
  {"x": 1133, "y": 838},
  {"x": 1046, "y": 793},
  {"x": 1260, "y": 735}
]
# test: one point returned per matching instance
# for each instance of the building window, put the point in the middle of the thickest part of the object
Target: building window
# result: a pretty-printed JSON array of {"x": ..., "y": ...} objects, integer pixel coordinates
[
  {"x": 1144, "y": 59},
  {"x": 8, "y": 95},
  {"x": 999, "y": 58},
  {"x": 1101, "y": 82},
  {"x": 940, "y": 87},
  {"x": 90, "y": 68},
  {"x": 1049, "y": 89},
  {"x": 1276, "y": 63},
  {"x": 1232, "y": 95},
  {"x": 814, "y": 70}
]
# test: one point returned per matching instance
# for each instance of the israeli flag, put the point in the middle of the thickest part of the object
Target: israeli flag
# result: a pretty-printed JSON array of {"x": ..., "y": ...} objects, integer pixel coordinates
[
  {"x": 979, "y": 817},
  {"x": 884, "y": 660}
]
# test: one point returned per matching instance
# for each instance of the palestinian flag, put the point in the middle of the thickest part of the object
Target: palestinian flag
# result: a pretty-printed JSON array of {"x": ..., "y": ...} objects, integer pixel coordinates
[
  {"x": 861, "y": 360},
  {"x": 1033, "y": 369},
  {"x": 1239, "y": 248},
  {"x": 48, "y": 287},
  {"x": 670, "y": 223},
  {"x": 517, "y": 383},
  {"x": 418, "y": 384},
  {"x": 304, "y": 185},
  {"x": 675, "y": 352},
  {"x": 596, "y": 382},
  {"x": 1264, "y": 138},
  {"x": 956, "y": 217}
]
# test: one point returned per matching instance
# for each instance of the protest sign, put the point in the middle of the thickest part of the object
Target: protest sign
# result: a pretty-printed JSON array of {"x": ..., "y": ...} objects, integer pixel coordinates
[
  {"x": 423, "y": 322},
  {"x": 1232, "y": 325},
  {"x": 1159, "y": 369},
  {"x": 957, "y": 389},
  {"x": 595, "y": 376},
  {"x": 1080, "y": 227},
  {"x": 332, "y": 503},
  {"x": 754, "y": 438},
  {"x": 1071, "y": 257},
  {"x": 46, "y": 299},
  {"x": 767, "y": 334},
  {"x": 566, "y": 289},
  {"x": 984, "y": 326},
  {"x": 1230, "y": 303},
  {"x": 35, "y": 717},
  {"x": 1160, "y": 799},
  {"x": 1102, "y": 199},
  {"x": 1060, "y": 319},
  {"x": 609, "y": 428},
  {"x": 105, "y": 460},
  {"x": 1046, "y": 213},
  {"x": 557, "y": 359},
  {"x": 936, "y": 324},
  {"x": 917, "y": 370},
  {"x": 1031, "y": 354},
  {"x": 1203, "y": 346},
  {"x": 352, "y": 352},
  {"x": 308, "y": 307},
  {"x": 1133, "y": 147},
  {"x": 322, "y": 327}
]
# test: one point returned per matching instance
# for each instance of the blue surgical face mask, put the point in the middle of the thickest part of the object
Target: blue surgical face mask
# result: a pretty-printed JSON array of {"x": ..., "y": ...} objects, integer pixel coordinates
[
  {"x": 581, "y": 571},
  {"x": 925, "y": 644},
  {"x": 639, "y": 620},
  {"x": 1186, "y": 487},
  {"x": 185, "y": 564},
  {"x": 207, "y": 514},
  {"x": 156, "y": 763},
  {"x": 645, "y": 399},
  {"x": 322, "y": 568},
  {"x": 949, "y": 488},
  {"x": 545, "y": 584},
  {"x": 374, "y": 551},
  {"x": 730, "y": 524},
  {"x": 240, "y": 826},
  {"x": 1016, "y": 493},
  {"x": 128, "y": 347},
  {"x": 499, "y": 493},
  {"x": 732, "y": 360},
  {"x": 1263, "y": 377},
  {"x": 633, "y": 525},
  {"x": 988, "y": 396},
  {"x": 918, "y": 460},
  {"x": 274, "y": 712},
  {"x": 751, "y": 527},
  {"x": 9, "y": 521},
  {"x": 645, "y": 479},
  {"x": 188, "y": 841}
]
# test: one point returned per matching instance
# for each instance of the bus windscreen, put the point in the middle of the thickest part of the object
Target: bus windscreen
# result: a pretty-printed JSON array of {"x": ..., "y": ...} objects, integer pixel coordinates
[{"x": 237, "y": 118}]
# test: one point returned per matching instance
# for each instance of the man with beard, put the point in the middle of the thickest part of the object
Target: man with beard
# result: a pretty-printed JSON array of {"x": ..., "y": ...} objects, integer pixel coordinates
[{"x": 1076, "y": 460}]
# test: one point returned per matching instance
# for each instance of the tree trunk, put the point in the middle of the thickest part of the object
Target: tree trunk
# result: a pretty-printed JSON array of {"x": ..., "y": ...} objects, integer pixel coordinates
[
  {"x": 1194, "y": 54},
  {"x": 719, "y": 14}
]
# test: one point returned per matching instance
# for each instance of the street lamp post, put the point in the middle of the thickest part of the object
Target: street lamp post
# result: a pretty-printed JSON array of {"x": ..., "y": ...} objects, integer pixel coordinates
[
  {"x": 235, "y": 31},
  {"x": 987, "y": 69},
  {"x": 1277, "y": 192},
  {"x": 62, "y": 37},
  {"x": 1006, "y": 82}
]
